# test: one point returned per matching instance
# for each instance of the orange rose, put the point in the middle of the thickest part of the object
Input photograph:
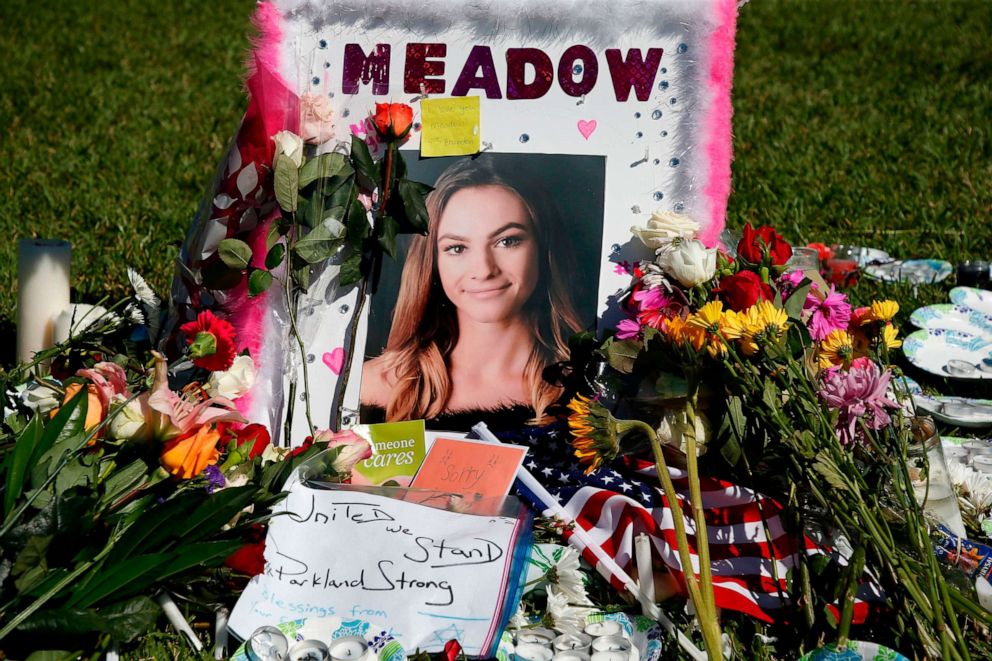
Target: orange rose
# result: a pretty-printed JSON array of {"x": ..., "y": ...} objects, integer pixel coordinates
[
  {"x": 392, "y": 120},
  {"x": 94, "y": 405},
  {"x": 188, "y": 456}
]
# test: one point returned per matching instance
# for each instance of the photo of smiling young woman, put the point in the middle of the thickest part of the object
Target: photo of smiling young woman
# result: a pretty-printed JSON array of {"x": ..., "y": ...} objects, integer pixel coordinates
[{"x": 486, "y": 300}]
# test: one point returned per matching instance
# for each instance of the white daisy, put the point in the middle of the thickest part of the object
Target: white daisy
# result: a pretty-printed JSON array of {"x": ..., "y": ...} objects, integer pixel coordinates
[
  {"x": 564, "y": 616},
  {"x": 560, "y": 566}
]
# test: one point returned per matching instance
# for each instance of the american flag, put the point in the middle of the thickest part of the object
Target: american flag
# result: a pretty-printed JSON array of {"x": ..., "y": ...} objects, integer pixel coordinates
[{"x": 750, "y": 551}]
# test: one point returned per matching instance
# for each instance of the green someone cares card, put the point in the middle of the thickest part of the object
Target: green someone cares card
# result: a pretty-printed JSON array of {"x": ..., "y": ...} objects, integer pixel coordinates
[{"x": 399, "y": 451}]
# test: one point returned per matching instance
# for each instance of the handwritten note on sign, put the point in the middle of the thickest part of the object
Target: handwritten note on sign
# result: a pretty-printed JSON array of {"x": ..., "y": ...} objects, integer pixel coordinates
[
  {"x": 470, "y": 467},
  {"x": 450, "y": 126},
  {"x": 426, "y": 574}
]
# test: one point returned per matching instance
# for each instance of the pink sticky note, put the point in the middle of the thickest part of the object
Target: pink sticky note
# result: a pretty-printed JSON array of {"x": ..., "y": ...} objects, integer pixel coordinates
[{"x": 470, "y": 467}]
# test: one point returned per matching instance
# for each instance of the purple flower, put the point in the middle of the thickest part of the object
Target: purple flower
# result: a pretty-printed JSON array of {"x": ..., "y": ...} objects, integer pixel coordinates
[
  {"x": 628, "y": 329},
  {"x": 215, "y": 478},
  {"x": 859, "y": 395},
  {"x": 830, "y": 314}
]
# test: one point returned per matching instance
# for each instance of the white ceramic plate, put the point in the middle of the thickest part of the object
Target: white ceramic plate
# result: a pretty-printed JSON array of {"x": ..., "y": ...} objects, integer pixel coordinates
[
  {"x": 976, "y": 299},
  {"x": 949, "y": 353},
  {"x": 382, "y": 646},
  {"x": 911, "y": 270},
  {"x": 954, "y": 317},
  {"x": 958, "y": 411}
]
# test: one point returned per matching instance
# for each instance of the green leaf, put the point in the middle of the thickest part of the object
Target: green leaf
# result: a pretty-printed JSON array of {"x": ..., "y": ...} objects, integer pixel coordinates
[
  {"x": 351, "y": 270},
  {"x": 218, "y": 275},
  {"x": 413, "y": 195},
  {"x": 52, "y": 655},
  {"x": 794, "y": 304},
  {"x": 129, "y": 619},
  {"x": 324, "y": 166},
  {"x": 65, "y": 433},
  {"x": 19, "y": 460},
  {"x": 358, "y": 224},
  {"x": 65, "y": 621},
  {"x": 671, "y": 386},
  {"x": 272, "y": 237},
  {"x": 286, "y": 184},
  {"x": 321, "y": 242},
  {"x": 361, "y": 159},
  {"x": 622, "y": 354},
  {"x": 31, "y": 563},
  {"x": 276, "y": 253},
  {"x": 235, "y": 253},
  {"x": 301, "y": 276},
  {"x": 202, "y": 554},
  {"x": 115, "y": 577},
  {"x": 123, "y": 481},
  {"x": 258, "y": 281},
  {"x": 387, "y": 234}
]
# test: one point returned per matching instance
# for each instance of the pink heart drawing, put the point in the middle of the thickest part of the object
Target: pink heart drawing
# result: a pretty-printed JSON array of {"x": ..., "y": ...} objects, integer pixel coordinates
[
  {"x": 334, "y": 360},
  {"x": 587, "y": 127}
]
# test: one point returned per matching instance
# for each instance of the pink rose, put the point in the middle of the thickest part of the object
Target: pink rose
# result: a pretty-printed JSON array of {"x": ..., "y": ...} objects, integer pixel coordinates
[
  {"x": 315, "y": 119},
  {"x": 354, "y": 448}
]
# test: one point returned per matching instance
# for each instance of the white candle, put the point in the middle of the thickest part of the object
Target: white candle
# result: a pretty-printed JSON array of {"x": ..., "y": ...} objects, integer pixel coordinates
[
  {"x": 610, "y": 656},
  {"x": 604, "y": 628},
  {"x": 572, "y": 641},
  {"x": 350, "y": 647},
  {"x": 538, "y": 636},
  {"x": 42, "y": 292},
  {"x": 611, "y": 644},
  {"x": 532, "y": 652}
]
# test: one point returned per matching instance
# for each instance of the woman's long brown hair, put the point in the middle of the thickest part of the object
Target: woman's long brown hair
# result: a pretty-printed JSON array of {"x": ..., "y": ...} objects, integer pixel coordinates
[{"x": 425, "y": 327}]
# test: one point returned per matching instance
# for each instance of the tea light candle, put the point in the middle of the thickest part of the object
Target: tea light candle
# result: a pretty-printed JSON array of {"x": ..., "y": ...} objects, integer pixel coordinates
[
  {"x": 604, "y": 628},
  {"x": 978, "y": 447},
  {"x": 572, "y": 641},
  {"x": 532, "y": 652},
  {"x": 267, "y": 644},
  {"x": 42, "y": 292},
  {"x": 982, "y": 463},
  {"x": 348, "y": 648},
  {"x": 956, "y": 453},
  {"x": 308, "y": 650},
  {"x": 571, "y": 655},
  {"x": 537, "y": 636},
  {"x": 610, "y": 656},
  {"x": 611, "y": 644}
]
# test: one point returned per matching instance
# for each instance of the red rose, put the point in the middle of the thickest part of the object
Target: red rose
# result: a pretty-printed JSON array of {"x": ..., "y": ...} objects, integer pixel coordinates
[
  {"x": 255, "y": 437},
  {"x": 756, "y": 242},
  {"x": 249, "y": 559},
  {"x": 392, "y": 120},
  {"x": 452, "y": 650},
  {"x": 211, "y": 342},
  {"x": 742, "y": 290}
]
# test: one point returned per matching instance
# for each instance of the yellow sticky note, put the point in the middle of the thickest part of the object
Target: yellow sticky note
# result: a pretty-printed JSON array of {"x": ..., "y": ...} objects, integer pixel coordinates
[{"x": 449, "y": 127}]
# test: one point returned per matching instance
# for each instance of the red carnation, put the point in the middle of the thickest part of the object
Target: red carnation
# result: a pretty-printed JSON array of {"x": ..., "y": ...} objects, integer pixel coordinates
[
  {"x": 392, "y": 120},
  {"x": 742, "y": 290},
  {"x": 211, "y": 342},
  {"x": 452, "y": 650},
  {"x": 255, "y": 437},
  {"x": 757, "y": 242}
]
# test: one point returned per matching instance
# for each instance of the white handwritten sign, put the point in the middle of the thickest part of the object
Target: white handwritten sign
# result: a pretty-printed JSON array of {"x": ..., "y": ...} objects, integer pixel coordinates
[{"x": 426, "y": 574}]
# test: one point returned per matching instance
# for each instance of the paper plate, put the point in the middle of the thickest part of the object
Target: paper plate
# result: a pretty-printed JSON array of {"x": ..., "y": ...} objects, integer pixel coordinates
[
  {"x": 949, "y": 353},
  {"x": 976, "y": 299},
  {"x": 953, "y": 317},
  {"x": 911, "y": 270},
  {"x": 382, "y": 645},
  {"x": 854, "y": 650},
  {"x": 959, "y": 411}
]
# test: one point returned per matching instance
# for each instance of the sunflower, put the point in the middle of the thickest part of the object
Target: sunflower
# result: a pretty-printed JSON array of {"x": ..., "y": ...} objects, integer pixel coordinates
[
  {"x": 595, "y": 432},
  {"x": 837, "y": 349},
  {"x": 883, "y": 310}
]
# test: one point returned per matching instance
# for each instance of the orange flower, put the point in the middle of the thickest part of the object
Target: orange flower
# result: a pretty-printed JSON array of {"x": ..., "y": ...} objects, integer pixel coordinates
[
  {"x": 392, "y": 120},
  {"x": 94, "y": 407},
  {"x": 188, "y": 456}
]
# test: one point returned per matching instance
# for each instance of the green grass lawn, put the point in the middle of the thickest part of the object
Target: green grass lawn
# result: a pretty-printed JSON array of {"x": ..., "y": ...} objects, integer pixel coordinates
[{"x": 857, "y": 121}]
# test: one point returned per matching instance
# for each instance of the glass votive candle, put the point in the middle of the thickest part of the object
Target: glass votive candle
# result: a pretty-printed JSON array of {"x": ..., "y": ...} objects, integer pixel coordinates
[
  {"x": 957, "y": 453},
  {"x": 841, "y": 272},
  {"x": 982, "y": 463},
  {"x": 975, "y": 448},
  {"x": 974, "y": 273},
  {"x": 803, "y": 259},
  {"x": 532, "y": 652}
]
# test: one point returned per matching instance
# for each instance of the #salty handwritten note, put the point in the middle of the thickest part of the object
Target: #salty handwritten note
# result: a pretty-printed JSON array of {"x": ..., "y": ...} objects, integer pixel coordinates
[
  {"x": 449, "y": 127},
  {"x": 427, "y": 575},
  {"x": 470, "y": 467}
]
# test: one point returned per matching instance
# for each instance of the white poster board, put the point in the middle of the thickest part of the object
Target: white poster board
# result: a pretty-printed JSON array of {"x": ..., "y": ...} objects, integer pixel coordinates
[{"x": 425, "y": 575}]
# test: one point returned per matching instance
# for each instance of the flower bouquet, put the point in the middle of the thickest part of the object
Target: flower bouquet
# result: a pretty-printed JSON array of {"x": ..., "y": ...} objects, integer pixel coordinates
[{"x": 769, "y": 379}]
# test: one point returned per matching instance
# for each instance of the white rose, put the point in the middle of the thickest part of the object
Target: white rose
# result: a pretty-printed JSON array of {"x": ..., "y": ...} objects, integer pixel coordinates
[
  {"x": 663, "y": 227},
  {"x": 289, "y": 145},
  {"x": 233, "y": 382},
  {"x": 672, "y": 428},
  {"x": 690, "y": 262},
  {"x": 40, "y": 397},
  {"x": 128, "y": 423}
]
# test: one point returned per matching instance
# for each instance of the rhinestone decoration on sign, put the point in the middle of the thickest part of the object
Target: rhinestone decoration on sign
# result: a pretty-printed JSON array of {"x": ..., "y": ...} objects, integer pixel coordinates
[
  {"x": 322, "y": 43},
  {"x": 656, "y": 114},
  {"x": 316, "y": 80},
  {"x": 639, "y": 134},
  {"x": 637, "y": 115},
  {"x": 524, "y": 137},
  {"x": 682, "y": 48},
  {"x": 344, "y": 308},
  {"x": 577, "y": 69},
  {"x": 663, "y": 85},
  {"x": 672, "y": 100},
  {"x": 615, "y": 249},
  {"x": 674, "y": 162},
  {"x": 658, "y": 195},
  {"x": 311, "y": 357}
]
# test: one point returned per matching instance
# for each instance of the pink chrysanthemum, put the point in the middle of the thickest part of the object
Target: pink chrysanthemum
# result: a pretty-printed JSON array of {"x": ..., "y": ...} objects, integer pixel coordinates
[
  {"x": 830, "y": 314},
  {"x": 653, "y": 298},
  {"x": 788, "y": 282},
  {"x": 860, "y": 396},
  {"x": 628, "y": 329}
]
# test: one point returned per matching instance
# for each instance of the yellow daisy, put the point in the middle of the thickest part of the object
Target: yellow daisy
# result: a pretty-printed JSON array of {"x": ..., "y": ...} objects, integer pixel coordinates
[
  {"x": 763, "y": 324},
  {"x": 837, "y": 349},
  {"x": 889, "y": 335},
  {"x": 883, "y": 310}
]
